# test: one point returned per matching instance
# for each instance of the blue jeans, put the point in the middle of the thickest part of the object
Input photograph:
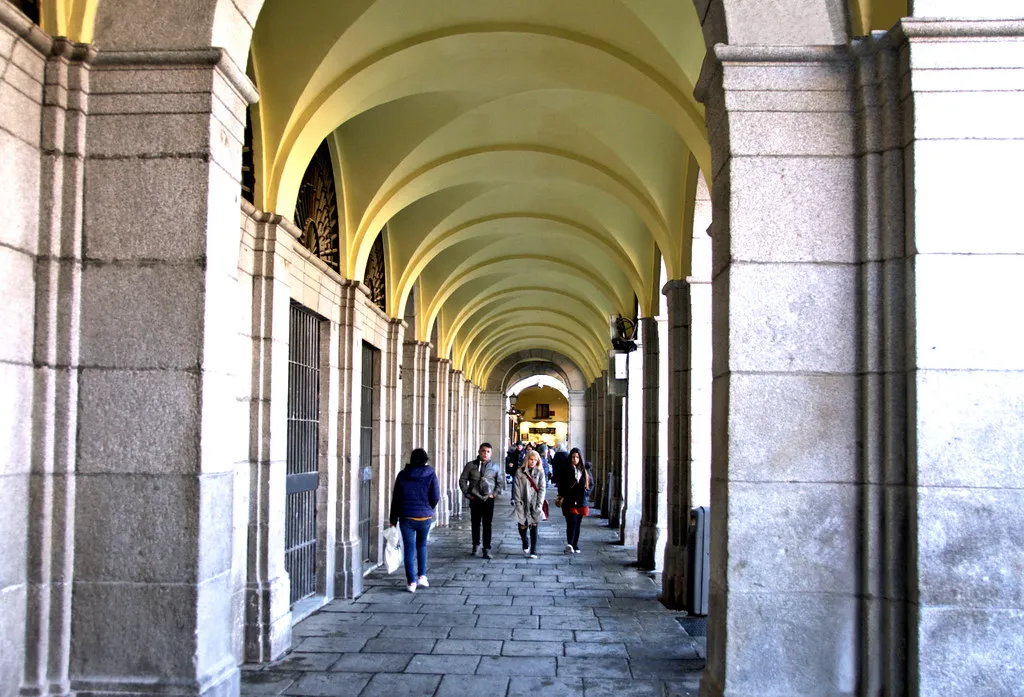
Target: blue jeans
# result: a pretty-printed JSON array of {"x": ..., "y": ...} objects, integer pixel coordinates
[{"x": 414, "y": 546}]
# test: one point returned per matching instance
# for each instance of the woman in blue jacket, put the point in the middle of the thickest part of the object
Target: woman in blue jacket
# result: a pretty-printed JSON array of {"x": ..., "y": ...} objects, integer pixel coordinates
[{"x": 413, "y": 501}]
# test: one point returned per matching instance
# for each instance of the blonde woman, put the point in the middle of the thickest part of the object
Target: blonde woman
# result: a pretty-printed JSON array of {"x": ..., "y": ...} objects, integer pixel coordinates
[{"x": 528, "y": 498}]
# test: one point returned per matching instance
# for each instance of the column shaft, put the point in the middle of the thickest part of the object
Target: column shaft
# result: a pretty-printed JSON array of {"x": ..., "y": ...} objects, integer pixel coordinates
[
  {"x": 632, "y": 450},
  {"x": 651, "y": 543}
]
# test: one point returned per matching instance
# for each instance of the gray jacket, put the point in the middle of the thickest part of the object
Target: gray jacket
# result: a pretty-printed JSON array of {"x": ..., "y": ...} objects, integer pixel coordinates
[{"x": 474, "y": 471}]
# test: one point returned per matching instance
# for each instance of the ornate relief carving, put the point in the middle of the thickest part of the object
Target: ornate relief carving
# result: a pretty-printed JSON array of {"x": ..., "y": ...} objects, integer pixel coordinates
[
  {"x": 375, "y": 277},
  {"x": 316, "y": 208}
]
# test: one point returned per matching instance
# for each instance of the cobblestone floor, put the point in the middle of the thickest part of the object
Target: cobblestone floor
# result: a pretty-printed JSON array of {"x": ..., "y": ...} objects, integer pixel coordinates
[{"x": 562, "y": 625}]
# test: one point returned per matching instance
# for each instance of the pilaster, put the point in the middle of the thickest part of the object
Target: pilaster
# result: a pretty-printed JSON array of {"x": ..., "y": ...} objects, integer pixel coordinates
[
  {"x": 651, "y": 542},
  {"x": 578, "y": 434},
  {"x": 677, "y": 479},
  {"x": 161, "y": 429},
  {"x": 633, "y": 448},
  {"x": 440, "y": 374},
  {"x": 456, "y": 439},
  {"x": 393, "y": 390},
  {"x": 786, "y": 474},
  {"x": 415, "y": 398}
]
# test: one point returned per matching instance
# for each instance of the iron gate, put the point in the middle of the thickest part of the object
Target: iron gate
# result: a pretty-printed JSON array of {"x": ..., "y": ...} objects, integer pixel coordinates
[
  {"x": 303, "y": 451},
  {"x": 370, "y": 363}
]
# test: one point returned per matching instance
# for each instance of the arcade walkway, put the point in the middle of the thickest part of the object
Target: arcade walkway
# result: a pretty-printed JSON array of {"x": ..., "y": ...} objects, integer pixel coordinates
[{"x": 587, "y": 624}]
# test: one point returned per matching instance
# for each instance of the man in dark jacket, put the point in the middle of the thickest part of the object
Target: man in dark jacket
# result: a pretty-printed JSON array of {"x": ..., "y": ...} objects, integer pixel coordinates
[{"x": 481, "y": 480}]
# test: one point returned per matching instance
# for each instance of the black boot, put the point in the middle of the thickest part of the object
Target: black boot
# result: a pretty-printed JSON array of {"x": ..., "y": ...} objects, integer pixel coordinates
[
  {"x": 473, "y": 553},
  {"x": 487, "y": 553}
]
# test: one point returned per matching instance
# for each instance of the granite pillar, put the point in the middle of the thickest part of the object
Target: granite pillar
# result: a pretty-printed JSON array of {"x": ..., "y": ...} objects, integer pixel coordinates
[
  {"x": 577, "y": 434},
  {"x": 437, "y": 434},
  {"x": 651, "y": 542}
]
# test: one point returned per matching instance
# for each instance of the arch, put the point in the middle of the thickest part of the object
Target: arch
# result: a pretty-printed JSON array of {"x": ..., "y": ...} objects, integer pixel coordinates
[
  {"x": 552, "y": 380},
  {"x": 498, "y": 352},
  {"x": 536, "y": 359},
  {"x": 485, "y": 346}
]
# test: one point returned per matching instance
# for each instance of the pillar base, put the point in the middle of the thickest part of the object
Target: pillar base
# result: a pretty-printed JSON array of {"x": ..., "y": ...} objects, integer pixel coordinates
[
  {"x": 648, "y": 556},
  {"x": 348, "y": 578},
  {"x": 629, "y": 531},
  {"x": 673, "y": 578},
  {"x": 226, "y": 683},
  {"x": 268, "y": 622}
]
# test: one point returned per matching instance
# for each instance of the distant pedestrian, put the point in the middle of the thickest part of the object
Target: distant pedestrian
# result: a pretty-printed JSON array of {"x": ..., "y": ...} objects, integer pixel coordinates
[
  {"x": 413, "y": 500},
  {"x": 481, "y": 480},
  {"x": 528, "y": 491},
  {"x": 574, "y": 486}
]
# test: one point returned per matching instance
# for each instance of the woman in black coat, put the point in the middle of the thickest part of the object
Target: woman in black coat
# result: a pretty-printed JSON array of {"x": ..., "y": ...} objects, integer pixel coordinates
[{"x": 574, "y": 486}]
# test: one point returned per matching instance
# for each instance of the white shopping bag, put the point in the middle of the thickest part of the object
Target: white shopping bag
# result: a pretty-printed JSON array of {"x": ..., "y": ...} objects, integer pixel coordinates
[{"x": 392, "y": 548}]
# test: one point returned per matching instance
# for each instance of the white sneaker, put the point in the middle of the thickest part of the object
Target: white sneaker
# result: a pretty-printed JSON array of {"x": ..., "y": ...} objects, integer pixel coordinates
[
  {"x": 526, "y": 551},
  {"x": 578, "y": 551},
  {"x": 423, "y": 582},
  {"x": 568, "y": 549},
  {"x": 533, "y": 556},
  {"x": 412, "y": 587}
]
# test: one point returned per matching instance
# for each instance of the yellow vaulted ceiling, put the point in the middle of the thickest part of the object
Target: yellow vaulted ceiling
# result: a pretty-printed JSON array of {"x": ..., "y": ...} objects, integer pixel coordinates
[{"x": 530, "y": 160}]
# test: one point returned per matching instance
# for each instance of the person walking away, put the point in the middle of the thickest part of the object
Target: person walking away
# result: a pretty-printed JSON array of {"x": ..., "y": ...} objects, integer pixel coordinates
[
  {"x": 481, "y": 480},
  {"x": 545, "y": 460},
  {"x": 574, "y": 486},
  {"x": 413, "y": 501},
  {"x": 528, "y": 498}
]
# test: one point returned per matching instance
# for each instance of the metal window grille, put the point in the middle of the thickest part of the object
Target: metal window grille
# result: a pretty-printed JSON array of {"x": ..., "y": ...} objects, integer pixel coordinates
[
  {"x": 303, "y": 457},
  {"x": 370, "y": 363}
]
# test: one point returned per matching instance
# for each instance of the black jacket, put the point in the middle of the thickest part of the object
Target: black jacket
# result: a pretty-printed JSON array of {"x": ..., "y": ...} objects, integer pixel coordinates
[{"x": 575, "y": 494}]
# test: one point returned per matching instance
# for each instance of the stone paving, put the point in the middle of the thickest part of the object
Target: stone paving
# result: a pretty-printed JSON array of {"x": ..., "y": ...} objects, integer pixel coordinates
[{"x": 562, "y": 625}]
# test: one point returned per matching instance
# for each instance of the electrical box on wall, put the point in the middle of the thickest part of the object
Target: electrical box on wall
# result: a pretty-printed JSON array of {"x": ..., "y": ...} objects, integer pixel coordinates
[{"x": 618, "y": 374}]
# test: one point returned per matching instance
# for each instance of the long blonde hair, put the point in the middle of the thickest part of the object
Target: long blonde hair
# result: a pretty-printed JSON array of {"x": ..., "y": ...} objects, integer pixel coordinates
[{"x": 531, "y": 455}]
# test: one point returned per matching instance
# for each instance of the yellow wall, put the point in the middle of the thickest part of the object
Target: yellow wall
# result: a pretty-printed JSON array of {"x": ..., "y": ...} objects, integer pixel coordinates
[
  {"x": 867, "y": 16},
  {"x": 531, "y": 397}
]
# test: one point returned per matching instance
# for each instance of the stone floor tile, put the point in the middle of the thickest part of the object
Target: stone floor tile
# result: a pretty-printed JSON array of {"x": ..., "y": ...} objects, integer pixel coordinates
[
  {"x": 420, "y": 632},
  {"x": 296, "y": 661},
  {"x": 498, "y": 633},
  {"x": 558, "y": 610},
  {"x": 443, "y": 616},
  {"x": 545, "y": 687},
  {"x": 355, "y": 631},
  {"x": 329, "y": 684},
  {"x": 542, "y": 635},
  {"x": 329, "y": 644},
  {"x": 403, "y": 619},
  {"x": 467, "y": 646},
  {"x": 509, "y": 621},
  {"x": 537, "y": 666},
  {"x": 608, "y": 687},
  {"x": 497, "y": 610},
  {"x": 404, "y": 684},
  {"x": 569, "y": 622},
  {"x": 481, "y": 598},
  {"x": 443, "y": 664},
  {"x": 389, "y": 645},
  {"x": 266, "y": 682},
  {"x": 593, "y": 667},
  {"x": 654, "y": 667},
  {"x": 373, "y": 662},
  {"x": 593, "y": 648},
  {"x": 532, "y": 648},
  {"x": 472, "y": 686}
]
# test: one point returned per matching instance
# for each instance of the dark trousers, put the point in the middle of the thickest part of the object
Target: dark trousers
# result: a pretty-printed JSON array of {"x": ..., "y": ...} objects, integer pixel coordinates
[
  {"x": 573, "y": 522},
  {"x": 481, "y": 511},
  {"x": 533, "y": 538}
]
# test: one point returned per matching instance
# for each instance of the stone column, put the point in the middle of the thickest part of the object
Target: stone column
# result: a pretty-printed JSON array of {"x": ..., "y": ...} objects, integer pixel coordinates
[
  {"x": 785, "y": 489},
  {"x": 965, "y": 346},
  {"x": 677, "y": 479},
  {"x": 415, "y": 399},
  {"x": 492, "y": 417},
  {"x": 578, "y": 432},
  {"x": 348, "y": 556},
  {"x": 456, "y": 446},
  {"x": 267, "y": 606},
  {"x": 161, "y": 429},
  {"x": 651, "y": 543},
  {"x": 600, "y": 438},
  {"x": 437, "y": 433},
  {"x": 632, "y": 449},
  {"x": 40, "y": 422},
  {"x": 392, "y": 389}
]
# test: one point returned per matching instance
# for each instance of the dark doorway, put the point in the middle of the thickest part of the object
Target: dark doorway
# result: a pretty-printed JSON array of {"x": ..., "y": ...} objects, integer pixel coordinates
[{"x": 303, "y": 456}]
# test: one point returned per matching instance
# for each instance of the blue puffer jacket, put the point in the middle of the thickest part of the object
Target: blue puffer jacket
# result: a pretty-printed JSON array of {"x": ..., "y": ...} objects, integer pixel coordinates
[{"x": 416, "y": 493}]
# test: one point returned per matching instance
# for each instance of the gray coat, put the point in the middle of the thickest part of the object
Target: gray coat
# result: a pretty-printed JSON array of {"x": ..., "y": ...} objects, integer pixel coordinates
[
  {"x": 473, "y": 472},
  {"x": 528, "y": 502}
]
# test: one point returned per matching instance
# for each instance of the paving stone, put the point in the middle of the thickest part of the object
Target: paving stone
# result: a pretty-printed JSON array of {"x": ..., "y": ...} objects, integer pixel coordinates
[
  {"x": 607, "y": 687},
  {"x": 488, "y": 600},
  {"x": 545, "y": 687},
  {"x": 329, "y": 684},
  {"x": 516, "y": 665},
  {"x": 594, "y": 648},
  {"x": 542, "y": 635},
  {"x": 443, "y": 664},
  {"x": 330, "y": 645},
  {"x": 389, "y": 645},
  {"x": 267, "y": 682},
  {"x": 593, "y": 667},
  {"x": 467, "y": 646},
  {"x": 509, "y": 621},
  {"x": 423, "y": 631},
  {"x": 569, "y": 622},
  {"x": 673, "y": 668},
  {"x": 356, "y": 631},
  {"x": 532, "y": 648},
  {"x": 404, "y": 619},
  {"x": 406, "y": 685},
  {"x": 453, "y": 619},
  {"x": 485, "y": 633},
  {"x": 497, "y": 610},
  {"x": 296, "y": 661},
  {"x": 373, "y": 662},
  {"x": 472, "y": 686}
]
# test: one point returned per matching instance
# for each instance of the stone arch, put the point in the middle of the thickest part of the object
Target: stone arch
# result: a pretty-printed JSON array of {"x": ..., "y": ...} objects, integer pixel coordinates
[{"x": 533, "y": 359}]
